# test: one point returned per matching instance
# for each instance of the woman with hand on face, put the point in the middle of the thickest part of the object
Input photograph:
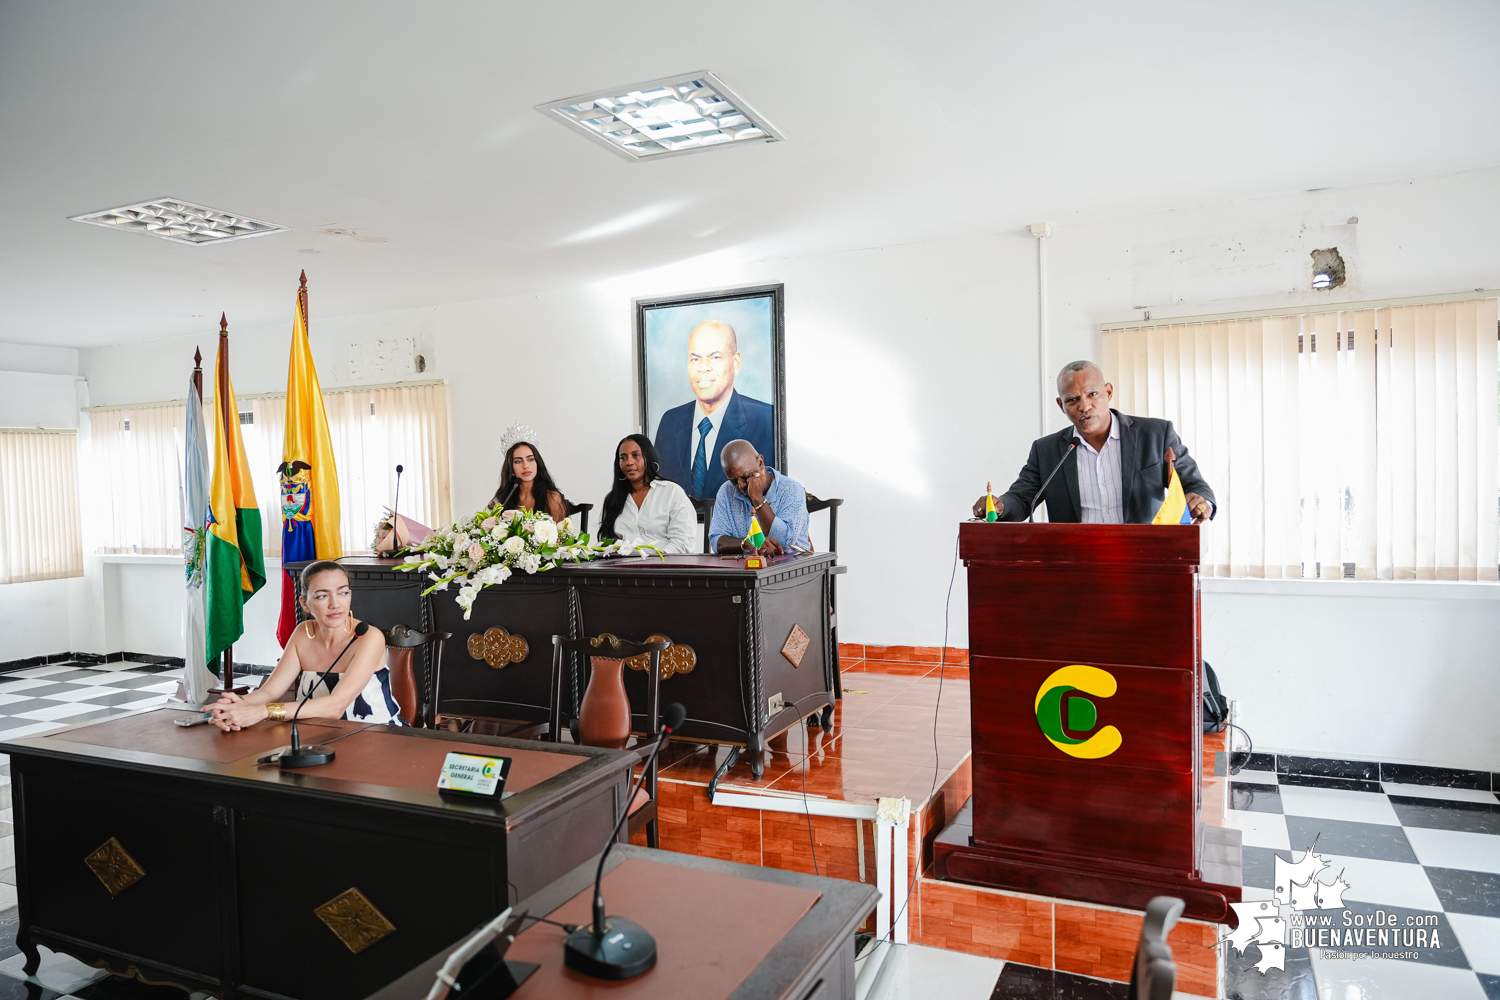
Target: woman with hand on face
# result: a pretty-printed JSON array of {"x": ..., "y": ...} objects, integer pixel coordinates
[
  {"x": 359, "y": 686},
  {"x": 526, "y": 484},
  {"x": 644, "y": 507}
]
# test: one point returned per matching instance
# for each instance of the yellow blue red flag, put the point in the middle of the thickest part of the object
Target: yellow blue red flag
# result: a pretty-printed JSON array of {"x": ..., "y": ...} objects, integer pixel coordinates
[
  {"x": 1173, "y": 509},
  {"x": 308, "y": 476}
]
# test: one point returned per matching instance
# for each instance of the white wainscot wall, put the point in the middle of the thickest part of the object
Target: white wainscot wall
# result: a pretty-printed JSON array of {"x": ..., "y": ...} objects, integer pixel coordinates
[{"x": 1391, "y": 671}]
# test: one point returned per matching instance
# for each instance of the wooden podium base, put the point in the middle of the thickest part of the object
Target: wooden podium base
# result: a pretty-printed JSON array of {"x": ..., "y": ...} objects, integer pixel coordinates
[{"x": 1092, "y": 881}]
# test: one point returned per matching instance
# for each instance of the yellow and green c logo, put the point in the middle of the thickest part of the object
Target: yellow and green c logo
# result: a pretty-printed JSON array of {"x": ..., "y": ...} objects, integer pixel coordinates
[
  {"x": 488, "y": 771},
  {"x": 1082, "y": 713}
]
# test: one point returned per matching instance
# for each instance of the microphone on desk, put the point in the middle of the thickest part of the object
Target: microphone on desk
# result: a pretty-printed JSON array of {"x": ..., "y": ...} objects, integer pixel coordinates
[
  {"x": 513, "y": 487},
  {"x": 613, "y": 947},
  {"x": 301, "y": 756},
  {"x": 1072, "y": 447}
]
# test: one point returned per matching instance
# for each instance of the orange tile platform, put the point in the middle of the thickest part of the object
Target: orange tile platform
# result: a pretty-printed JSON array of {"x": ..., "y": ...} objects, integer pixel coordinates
[{"x": 884, "y": 743}]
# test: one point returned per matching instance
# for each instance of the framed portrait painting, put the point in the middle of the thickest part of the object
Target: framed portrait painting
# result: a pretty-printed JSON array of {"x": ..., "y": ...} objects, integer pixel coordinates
[{"x": 712, "y": 370}]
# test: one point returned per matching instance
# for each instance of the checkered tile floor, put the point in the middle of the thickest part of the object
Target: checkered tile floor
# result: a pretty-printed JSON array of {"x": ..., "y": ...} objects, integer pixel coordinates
[
  {"x": 38, "y": 700},
  {"x": 1421, "y": 852}
]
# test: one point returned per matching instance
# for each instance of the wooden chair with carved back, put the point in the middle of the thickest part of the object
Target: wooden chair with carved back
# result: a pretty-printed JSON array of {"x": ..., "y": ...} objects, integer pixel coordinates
[
  {"x": 581, "y": 509},
  {"x": 705, "y": 509},
  {"x": 832, "y": 506},
  {"x": 642, "y": 810},
  {"x": 402, "y": 643}
]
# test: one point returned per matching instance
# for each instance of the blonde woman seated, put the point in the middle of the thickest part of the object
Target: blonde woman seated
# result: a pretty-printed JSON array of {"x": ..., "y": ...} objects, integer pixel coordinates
[
  {"x": 358, "y": 688},
  {"x": 644, "y": 507}
]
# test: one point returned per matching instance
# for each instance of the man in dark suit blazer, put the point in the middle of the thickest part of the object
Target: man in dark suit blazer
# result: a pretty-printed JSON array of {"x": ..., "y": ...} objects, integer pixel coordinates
[
  {"x": 713, "y": 362},
  {"x": 1141, "y": 447}
]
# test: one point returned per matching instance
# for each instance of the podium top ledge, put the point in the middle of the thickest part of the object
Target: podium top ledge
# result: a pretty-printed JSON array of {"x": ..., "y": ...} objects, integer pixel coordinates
[{"x": 1000, "y": 542}]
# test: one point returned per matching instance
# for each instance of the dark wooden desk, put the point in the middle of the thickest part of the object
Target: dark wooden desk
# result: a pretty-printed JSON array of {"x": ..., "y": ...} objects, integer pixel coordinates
[
  {"x": 237, "y": 857},
  {"x": 736, "y": 621},
  {"x": 814, "y": 961}
]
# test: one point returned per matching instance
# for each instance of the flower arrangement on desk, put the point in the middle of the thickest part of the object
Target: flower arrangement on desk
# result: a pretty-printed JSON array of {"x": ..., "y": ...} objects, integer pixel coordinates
[{"x": 484, "y": 550}]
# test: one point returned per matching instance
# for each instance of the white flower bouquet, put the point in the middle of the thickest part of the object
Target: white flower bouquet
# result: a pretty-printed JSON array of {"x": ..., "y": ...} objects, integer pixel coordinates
[{"x": 484, "y": 550}]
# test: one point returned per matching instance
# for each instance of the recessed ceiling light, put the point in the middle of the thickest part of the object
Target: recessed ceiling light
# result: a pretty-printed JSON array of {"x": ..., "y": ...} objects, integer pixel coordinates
[
  {"x": 180, "y": 222},
  {"x": 678, "y": 114}
]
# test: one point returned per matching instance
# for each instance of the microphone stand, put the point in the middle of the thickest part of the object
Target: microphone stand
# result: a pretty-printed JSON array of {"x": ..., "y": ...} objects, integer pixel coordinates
[
  {"x": 1072, "y": 447},
  {"x": 298, "y": 755},
  {"x": 614, "y": 947}
]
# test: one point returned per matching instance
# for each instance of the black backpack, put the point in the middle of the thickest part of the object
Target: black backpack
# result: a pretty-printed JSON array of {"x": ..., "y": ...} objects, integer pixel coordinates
[{"x": 1215, "y": 705}]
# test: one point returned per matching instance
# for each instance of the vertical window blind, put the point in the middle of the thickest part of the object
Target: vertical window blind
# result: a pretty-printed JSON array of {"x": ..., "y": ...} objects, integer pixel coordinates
[
  {"x": 138, "y": 457},
  {"x": 39, "y": 525},
  {"x": 1349, "y": 442}
]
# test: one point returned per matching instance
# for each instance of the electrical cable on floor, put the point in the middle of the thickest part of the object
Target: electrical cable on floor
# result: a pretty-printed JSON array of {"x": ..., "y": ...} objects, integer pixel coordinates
[
  {"x": 1249, "y": 751},
  {"x": 937, "y": 761},
  {"x": 806, "y": 763}
]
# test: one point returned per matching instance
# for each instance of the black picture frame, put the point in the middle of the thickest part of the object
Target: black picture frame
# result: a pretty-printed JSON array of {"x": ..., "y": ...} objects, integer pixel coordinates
[{"x": 776, "y": 294}]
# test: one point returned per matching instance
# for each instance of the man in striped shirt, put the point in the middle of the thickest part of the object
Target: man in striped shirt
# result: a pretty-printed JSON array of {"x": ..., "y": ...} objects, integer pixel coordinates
[{"x": 1121, "y": 470}]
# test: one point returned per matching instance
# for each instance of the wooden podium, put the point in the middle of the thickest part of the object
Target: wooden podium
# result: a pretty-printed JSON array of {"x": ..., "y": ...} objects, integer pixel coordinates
[{"x": 1085, "y": 678}]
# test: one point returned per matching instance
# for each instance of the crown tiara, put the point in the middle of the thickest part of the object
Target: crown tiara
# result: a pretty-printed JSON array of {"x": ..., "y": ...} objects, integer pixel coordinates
[{"x": 517, "y": 433}]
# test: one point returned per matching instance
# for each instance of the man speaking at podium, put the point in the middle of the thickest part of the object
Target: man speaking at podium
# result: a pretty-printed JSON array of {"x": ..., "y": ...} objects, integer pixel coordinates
[{"x": 1120, "y": 473}]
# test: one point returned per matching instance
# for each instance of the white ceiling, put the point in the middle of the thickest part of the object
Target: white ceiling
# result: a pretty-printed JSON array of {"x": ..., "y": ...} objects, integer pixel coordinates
[{"x": 414, "y": 122}]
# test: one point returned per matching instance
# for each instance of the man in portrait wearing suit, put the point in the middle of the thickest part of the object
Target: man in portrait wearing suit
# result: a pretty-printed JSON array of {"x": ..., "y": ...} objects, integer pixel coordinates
[
  {"x": 1119, "y": 472},
  {"x": 687, "y": 437}
]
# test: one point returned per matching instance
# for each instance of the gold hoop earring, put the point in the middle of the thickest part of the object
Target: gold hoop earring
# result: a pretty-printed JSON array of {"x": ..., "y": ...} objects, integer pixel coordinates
[
  {"x": 310, "y": 633},
  {"x": 348, "y": 625}
]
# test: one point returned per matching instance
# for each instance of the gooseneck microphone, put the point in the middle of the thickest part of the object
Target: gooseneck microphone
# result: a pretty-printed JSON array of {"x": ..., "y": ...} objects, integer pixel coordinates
[
  {"x": 513, "y": 487},
  {"x": 1072, "y": 447},
  {"x": 613, "y": 947},
  {"x": 395, "y": 519},
  {"x": 301, "y": 756}
]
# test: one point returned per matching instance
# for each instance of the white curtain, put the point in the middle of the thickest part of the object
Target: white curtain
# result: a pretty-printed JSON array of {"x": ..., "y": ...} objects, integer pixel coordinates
[
  {"x": 137, "y": 460},
  {"x": 137, "y": 452},
  {"x": 39, "y": 527},
  {"x": 1360, "y": 439},
  {"x": 373, "y": 431}
]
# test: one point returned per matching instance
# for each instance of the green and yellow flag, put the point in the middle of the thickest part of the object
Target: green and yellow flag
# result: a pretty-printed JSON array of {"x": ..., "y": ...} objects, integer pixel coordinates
[
  {"x": 756, "y": 537},
  {"x": 234, "y": 568}
]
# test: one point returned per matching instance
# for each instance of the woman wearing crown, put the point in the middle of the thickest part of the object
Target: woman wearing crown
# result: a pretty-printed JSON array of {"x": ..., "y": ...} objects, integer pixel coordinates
[{"x": 525, "y": 481}]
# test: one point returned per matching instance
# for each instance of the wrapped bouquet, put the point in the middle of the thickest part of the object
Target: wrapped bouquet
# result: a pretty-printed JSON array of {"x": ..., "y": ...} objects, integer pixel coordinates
[{"x": 484, "y": 550}]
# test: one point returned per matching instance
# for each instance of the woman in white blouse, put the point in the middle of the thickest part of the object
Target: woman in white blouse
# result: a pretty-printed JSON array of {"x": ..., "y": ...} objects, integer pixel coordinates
[{"x": 644, "y": 507}]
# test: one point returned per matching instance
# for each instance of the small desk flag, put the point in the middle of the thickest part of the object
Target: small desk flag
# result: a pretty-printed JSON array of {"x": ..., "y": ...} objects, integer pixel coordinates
[
  {"x": 308, "y": 476},
  {"x": 1173, "y": 509},
  {"x": 990, "y": 514},
  {"x": 234, "y": 567},
  {"x": 756, "y": 537}
]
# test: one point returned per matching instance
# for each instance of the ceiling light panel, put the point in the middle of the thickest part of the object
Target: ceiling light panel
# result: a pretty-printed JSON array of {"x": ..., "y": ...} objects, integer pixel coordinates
[
  {"x": 180, "y": 222},
  {"x": 680, "y": 114}
]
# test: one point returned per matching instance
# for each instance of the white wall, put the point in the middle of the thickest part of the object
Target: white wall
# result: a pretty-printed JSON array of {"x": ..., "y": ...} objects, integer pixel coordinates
[
  {"x": 912, "y": 379},
  {"x": 1401, "y": 672}
]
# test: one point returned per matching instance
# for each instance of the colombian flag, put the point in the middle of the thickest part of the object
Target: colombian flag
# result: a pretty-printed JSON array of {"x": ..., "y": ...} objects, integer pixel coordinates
[
  {"x": 309, "y": 478},
  {"x": 1173, "y": 509},
  {"x": 756, "y": 537},
  {"x": 234, "y": 569}
]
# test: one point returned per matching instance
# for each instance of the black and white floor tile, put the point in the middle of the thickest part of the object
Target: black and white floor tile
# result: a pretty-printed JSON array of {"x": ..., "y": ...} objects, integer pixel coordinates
[
  {"x": 38, "y": 700},
  {"x": 1420, "y": 853}
]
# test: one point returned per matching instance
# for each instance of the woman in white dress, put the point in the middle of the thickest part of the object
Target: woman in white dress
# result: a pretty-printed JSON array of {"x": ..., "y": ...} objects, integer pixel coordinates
[
  {"x": 644, "y": 507},
  {"x": 358, "y": 687}
]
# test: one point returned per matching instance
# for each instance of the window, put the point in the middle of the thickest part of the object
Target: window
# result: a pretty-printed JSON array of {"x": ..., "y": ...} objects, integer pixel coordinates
[
  {"x": 372, "y": 429},
  {"x": 39, "y": 527},
  {"x": 137, "y": 451},
  {"x": 1359, "y": 442}
]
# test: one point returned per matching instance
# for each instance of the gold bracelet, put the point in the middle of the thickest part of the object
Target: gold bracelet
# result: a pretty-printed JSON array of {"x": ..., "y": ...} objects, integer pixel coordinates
[{"x": 276, "y": 711}]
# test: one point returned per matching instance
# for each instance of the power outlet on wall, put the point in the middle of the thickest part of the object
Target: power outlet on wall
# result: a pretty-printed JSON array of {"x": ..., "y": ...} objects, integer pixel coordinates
[{"x": 775, "y": 703}]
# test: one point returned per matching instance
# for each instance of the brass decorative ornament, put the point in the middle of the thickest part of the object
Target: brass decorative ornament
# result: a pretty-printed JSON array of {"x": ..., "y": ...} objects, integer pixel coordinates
[
  {"x": 354, "y": 920},
  {"x": 675, "y": 659},
  {"x": 796, "y": 645},
  {"x": 114, "y": 867},
  {"x": 498, "y": 647}
]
